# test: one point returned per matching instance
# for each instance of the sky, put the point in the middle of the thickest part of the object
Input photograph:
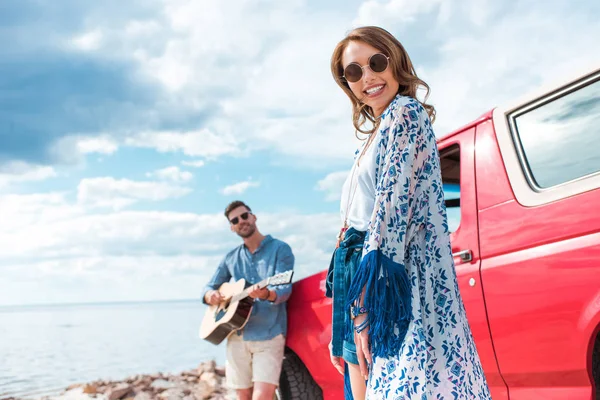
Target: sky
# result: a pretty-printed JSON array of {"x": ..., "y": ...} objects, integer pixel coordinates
[{"x": 127, "y": 127}]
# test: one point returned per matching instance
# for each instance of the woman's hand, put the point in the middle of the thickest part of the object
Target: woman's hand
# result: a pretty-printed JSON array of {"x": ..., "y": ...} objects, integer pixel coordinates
[
  {"x": 336, "y": 361},
  {"x": 363, "y": 350}
]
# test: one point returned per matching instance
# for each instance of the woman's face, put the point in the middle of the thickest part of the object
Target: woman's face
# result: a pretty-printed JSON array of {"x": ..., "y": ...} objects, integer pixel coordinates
[{"x": 375, "y": 89}]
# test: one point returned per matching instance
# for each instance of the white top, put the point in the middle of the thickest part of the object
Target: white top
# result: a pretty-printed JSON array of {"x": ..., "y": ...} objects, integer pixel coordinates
[{"x": 358, "y": 191}]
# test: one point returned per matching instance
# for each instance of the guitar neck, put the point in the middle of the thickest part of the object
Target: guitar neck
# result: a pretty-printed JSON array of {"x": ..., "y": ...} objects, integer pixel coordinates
[{"x": 244, "y": 294}]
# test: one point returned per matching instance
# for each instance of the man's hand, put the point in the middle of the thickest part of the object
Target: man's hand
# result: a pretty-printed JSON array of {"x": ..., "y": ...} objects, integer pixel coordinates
[
  {"x": 213, "y": 297},
  {"x": 257, "y": 293}
]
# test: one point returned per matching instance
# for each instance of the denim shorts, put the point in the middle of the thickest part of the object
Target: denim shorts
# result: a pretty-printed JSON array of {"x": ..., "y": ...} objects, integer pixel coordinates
[{"x": 344, "y": 264}]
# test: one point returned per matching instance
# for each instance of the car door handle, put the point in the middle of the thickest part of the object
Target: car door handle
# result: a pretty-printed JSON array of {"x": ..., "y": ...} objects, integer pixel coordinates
[{"x": 464, "y": 255}]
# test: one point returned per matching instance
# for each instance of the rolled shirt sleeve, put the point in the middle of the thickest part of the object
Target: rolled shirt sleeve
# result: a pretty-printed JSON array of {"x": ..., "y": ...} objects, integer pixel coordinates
[
  {"x": 220, "y": 276},
  {"x": 285, "y": 262}
]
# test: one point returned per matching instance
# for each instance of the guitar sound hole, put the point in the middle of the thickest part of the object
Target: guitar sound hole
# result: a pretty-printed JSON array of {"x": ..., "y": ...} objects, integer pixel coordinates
[{"x": 221, "y": 311}]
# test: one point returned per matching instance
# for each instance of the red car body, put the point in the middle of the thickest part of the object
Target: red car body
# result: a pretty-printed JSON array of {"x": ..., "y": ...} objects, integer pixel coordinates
[{"x": 530, "y": 271}]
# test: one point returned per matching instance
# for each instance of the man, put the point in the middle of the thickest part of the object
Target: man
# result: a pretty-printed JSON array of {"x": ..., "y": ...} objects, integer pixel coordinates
[{"x": 254, "y": 353}]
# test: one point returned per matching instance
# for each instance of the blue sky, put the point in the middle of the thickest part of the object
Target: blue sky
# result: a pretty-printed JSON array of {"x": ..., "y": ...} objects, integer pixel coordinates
[{"x": 125, "y": 128}]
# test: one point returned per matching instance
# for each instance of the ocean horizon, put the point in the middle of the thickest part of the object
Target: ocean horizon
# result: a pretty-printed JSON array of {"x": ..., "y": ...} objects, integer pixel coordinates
[{"x": 46, "y": 347}]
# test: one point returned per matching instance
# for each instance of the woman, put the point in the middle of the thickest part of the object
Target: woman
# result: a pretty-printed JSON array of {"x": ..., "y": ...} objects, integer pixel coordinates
[{"x": 393, "y": 273}]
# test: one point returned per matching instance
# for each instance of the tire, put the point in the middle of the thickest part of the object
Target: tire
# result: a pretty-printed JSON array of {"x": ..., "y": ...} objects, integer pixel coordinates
[
  {"x": 596, "y": 366},
  {"x": 295, "y": 382}
]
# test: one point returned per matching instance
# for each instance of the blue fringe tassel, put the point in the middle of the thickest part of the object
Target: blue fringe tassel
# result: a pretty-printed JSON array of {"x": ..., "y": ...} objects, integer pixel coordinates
[{"x": 387, "y": 300}]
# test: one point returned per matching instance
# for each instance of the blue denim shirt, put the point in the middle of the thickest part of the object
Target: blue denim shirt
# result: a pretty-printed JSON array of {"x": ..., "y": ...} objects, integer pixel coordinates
[{"x": 268, "y": 319}]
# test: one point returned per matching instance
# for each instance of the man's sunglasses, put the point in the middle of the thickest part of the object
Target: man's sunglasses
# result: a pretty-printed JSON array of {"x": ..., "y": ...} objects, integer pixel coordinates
[
  {"x": 235, "y": 220},
  {"x": 354, "y": 71}
]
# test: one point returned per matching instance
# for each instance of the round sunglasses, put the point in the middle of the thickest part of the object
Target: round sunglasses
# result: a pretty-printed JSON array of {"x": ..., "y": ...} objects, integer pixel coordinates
[
  {"x": 234, "y": 221},
  {"x": 377, "y": 63}
]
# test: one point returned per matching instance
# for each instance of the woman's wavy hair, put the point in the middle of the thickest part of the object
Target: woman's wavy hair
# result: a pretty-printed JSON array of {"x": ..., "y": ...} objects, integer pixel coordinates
[{"x": 402, "y": 69}]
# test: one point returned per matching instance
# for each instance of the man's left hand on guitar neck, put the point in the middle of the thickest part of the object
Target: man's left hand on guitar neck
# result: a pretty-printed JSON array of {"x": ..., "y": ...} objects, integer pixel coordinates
[{"x": 263, "y": 294}]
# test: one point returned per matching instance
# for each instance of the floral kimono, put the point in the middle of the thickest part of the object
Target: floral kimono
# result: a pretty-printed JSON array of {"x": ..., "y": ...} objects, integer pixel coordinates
[{"x": 420, "y": 338}]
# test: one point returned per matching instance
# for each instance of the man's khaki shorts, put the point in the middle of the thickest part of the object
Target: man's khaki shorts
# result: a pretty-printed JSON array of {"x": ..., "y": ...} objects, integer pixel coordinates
[{"x": 250, "y": 361}]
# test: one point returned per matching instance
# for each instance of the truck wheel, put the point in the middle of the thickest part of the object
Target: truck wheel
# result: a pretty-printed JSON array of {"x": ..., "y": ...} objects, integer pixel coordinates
[
  {"x": 596, "y": 366},
  {"x": 295, "y": 382}
]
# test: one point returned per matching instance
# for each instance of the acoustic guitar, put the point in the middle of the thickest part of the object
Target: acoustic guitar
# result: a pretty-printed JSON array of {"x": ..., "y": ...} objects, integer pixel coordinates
[{"x": 232, "y": 314}]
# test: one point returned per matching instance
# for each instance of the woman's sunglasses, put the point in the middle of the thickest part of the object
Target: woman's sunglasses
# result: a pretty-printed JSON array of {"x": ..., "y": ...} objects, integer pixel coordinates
[
  {"x": 354, "y": 71},
  {"x": 235, "y": 220}
]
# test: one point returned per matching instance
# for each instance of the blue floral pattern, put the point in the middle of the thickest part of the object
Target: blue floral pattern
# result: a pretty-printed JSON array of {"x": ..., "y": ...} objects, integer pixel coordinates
[{"x": 435, "y": 355}]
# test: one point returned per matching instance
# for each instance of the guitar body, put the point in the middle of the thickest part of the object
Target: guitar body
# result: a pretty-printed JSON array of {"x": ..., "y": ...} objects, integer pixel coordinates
[{"x": 222, "y": 320}]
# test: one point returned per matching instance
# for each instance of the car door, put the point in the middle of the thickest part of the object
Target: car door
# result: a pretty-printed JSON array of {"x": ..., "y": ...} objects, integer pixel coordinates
[
  {"x": 539, "y": 232},
  {"x": 457, "y": 154}
]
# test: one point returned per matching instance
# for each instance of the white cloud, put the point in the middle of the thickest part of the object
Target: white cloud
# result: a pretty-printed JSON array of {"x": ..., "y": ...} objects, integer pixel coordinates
[
  {"x": 140, "y": 28},
  {"x": 475, "y": 75},
  {"x": 18, "y": 211},
  {"x": 239, "y": 188},
  {"x": 18, "y": 171},
  {"x": 119, "y": 193},
  {"x": 332, "y": 185},
  {"x": 374, "y": 12},
  {"x": 188, "y": 62},
  {"x": 264, "y": 91},
  {"x": 266, "y": 87},
  {"x": 476, "y": 55},
  {"x": 173, "y": 174},
  {"x": 307, "y": 119},
  {"x": 44, "y": 237},
  {"x": 74, "y": 147},
  {"x": 195, "y": 164},
  {"x": 51, "y": 227},
  {"x": 271, "y": 88},
  {"x": 406, "y": 15},
  {"x": 88, "y": 41},
  {"x": 204, "y": 143},
  {"x": 312, "y": 237},
  {"x": 98, "y": 144}
]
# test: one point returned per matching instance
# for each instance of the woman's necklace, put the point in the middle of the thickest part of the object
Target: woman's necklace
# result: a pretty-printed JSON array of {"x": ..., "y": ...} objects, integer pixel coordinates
[{"x": 342, "y": 232}]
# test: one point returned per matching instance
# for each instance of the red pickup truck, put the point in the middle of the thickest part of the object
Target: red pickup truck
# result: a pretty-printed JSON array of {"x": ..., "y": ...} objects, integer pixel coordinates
[{"x": 523, "y": 198}]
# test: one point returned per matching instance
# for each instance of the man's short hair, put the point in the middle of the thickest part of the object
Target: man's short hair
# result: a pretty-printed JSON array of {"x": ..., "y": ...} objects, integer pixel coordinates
[{"x": 233, "y": 205}]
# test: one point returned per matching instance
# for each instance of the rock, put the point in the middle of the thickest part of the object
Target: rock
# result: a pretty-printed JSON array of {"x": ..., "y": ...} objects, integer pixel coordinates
[
  {"x": 144, "y": 382},
  {"x": 208, "y": 366},
  {"x": 211, "y": 379},
  {"x": 203, "y": 391},
  {"x": 119, "y": 391},
  {"x": 202, "y": 383},
  {"x": 139, "y": 382},
  {"x": 143, "y": 396},
  {"x": 172, "y": 394},
  {"x": 90, "y": 389},
  {"x": 71, "y": 387},
  {"x": 77, "y": 394},
  {"x": 160, "y": 385}
]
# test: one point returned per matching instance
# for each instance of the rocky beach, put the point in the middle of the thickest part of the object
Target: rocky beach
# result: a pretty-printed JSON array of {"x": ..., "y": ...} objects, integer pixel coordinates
[{"x": 207, "y": 382}]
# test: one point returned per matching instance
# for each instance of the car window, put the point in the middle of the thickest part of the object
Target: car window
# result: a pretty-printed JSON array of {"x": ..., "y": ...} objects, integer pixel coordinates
[
  {"x": 450, "y": 163},
  {"x": 559, "y": 139}
]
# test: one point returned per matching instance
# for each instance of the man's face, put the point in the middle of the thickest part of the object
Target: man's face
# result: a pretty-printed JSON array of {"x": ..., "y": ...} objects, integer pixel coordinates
[{"x": 242, "y": 222}]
